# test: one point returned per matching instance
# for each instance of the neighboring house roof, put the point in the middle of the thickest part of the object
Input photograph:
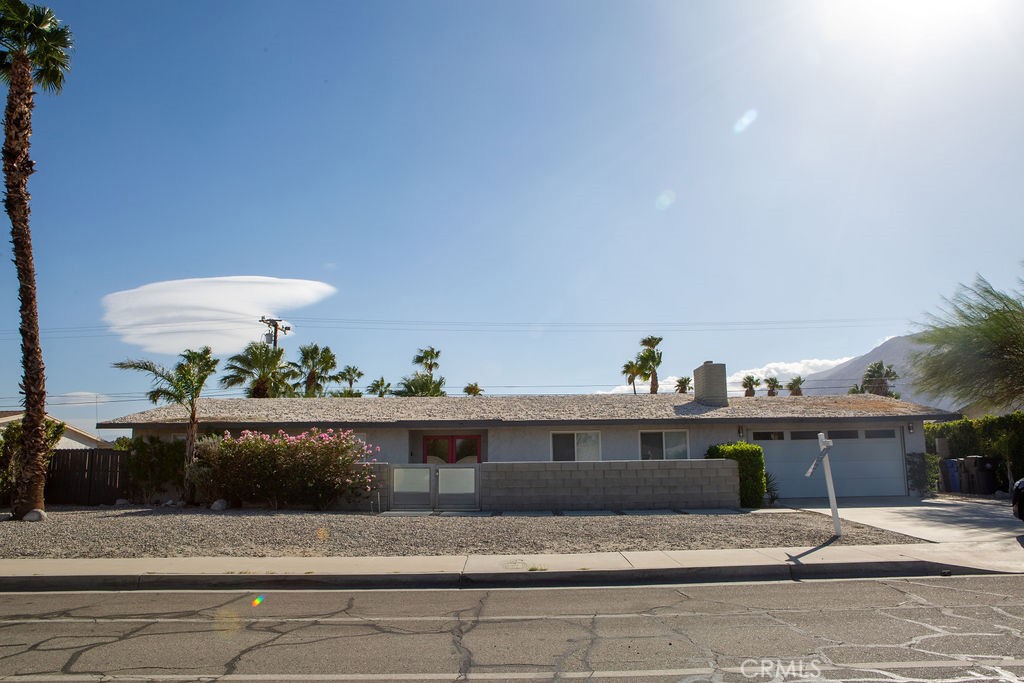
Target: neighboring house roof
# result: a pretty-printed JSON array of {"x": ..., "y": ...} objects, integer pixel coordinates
[
  {"x": 481, "y": 411},
  {"x": 73, "y": 436}
]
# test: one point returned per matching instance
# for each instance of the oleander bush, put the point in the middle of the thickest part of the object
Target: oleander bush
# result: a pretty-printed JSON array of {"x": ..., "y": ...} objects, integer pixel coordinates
[{"x": 315, "y": 468}]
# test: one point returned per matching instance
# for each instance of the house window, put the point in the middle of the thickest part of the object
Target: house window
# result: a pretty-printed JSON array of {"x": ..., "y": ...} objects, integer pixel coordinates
[
  {"x": 842, "y": 434},
  {"x": 578, "y": 446},
  {"x": 879, "y": 433},
  {"x": 770, "y": 436},
  {"x": 664, "y": 445},
  {"x": 803, "y": 436}
]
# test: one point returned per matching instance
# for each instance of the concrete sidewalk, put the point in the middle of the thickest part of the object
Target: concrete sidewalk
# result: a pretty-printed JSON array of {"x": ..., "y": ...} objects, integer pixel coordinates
[{"x": 464, "y": 571}]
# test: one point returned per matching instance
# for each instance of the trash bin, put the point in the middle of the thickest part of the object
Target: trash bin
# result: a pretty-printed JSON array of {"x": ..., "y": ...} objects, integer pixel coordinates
[
  {"x": 952, "y": 475},
  {"x": 1018, "y": 499},
  {"x": 985, "y": 477},
  {"x": 966, "y": 473}
]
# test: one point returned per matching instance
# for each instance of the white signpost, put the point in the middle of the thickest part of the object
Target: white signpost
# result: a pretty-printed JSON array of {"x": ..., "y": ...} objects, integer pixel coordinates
[{"x": 825, "y": 445}]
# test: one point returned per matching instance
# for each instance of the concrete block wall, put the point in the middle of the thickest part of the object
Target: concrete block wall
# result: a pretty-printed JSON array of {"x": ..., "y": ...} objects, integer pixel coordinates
[{"x": 622, "y": 485}]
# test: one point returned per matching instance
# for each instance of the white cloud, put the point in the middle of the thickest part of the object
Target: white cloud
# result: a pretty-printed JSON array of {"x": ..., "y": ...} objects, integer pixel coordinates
[
  {"x": 74, "y": 398},
  {"x": 666, "y": 385},
  {"x": 220, "y": 312},
  {"x": 784, "y": 370}
]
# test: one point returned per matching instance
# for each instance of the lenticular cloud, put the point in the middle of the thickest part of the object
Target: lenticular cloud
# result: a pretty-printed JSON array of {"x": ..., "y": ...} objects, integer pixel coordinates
[{"x": 220, "y": 312}]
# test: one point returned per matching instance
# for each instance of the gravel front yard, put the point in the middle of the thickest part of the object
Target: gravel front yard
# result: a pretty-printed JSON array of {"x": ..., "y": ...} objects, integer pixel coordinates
[{"x": 170, "y": 532}]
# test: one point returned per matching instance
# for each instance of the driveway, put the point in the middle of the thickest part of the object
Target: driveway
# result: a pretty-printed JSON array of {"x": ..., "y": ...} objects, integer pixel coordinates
[{"x": 941, "y": 520}]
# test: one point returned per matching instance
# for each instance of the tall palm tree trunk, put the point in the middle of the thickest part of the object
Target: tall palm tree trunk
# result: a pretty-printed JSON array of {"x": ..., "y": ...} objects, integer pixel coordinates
[
  {"x": 17, "y": 169},
  {"x": 654, "y": 380}
]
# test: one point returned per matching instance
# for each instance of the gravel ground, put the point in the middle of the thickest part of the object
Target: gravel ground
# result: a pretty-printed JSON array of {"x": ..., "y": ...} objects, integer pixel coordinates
[{"x": 170, "y": 532}]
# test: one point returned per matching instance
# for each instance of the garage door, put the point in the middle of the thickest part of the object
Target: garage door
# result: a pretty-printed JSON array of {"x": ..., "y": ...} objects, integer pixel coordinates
[{"x": 865, "y": 462}]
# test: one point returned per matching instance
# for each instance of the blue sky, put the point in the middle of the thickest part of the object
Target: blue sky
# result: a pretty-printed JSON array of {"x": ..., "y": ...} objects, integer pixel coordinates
[{"x": 529, "y": 186}]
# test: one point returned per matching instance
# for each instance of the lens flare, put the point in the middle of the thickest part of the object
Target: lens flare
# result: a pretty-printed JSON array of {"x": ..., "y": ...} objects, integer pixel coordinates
[
  {"x": 745, "y": 121},
  {"x": 257, "y": 601},
  {"x": 666, "y": 199}
]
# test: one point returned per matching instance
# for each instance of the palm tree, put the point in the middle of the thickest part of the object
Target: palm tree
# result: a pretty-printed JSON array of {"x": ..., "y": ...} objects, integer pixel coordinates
[
  {"x": 351, "y": 374},
  {"x": 972, "y": 351},
  {"x": 649, "y": 359},
  {"x": 261, "y": 369},
  {"x": 773, "y": 385},
  {"x": 472, "y": 389},
  {"x": 876, "y": 380},
  {"x": 420, "y": 384},
  {"x": 428, "y": 359},
  {"x": 631, "y": 370},
  {"x": 183, "y": 385},
  {"x": 683, "y": 385},
  {"x": 314, "y": 370},
  {"x": 794, "y": 385},
  {"x": 750, "y": 383},
  {"x": 34, "y": 51},
  {"x": 379, "y": 387}
]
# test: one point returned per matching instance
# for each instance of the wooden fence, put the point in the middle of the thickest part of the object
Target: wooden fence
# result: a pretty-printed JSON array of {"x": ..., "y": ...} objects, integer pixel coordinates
[{"x": 87, "y": 477}]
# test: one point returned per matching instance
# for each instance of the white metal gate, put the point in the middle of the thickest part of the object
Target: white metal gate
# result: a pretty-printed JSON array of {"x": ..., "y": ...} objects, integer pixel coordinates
[{"x": 435, "y": 487}]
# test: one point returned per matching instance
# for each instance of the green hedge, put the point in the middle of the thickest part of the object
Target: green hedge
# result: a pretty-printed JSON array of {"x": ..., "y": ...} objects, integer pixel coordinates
[
  {"x": 1000, "y": 436},
  {"x": 154, "y": 466},
  {"x": 750, "y": 459}
]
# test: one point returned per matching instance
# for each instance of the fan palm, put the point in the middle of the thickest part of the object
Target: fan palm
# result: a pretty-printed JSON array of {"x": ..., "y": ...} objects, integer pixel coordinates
[
  {"x": 631, "y": 370},
  {"x": 683, "y": 385},
  {"x": 314, "y": 370},
  {"x": 649, "y": 359},
  {"x": 261, "y": 369},
  {"x": 773, "y": 385},
  {"x": 420, "y": 384},
  {"x": 876, "y": 379},
  {"x": 379, "y": 387},
  {"x": 182, "y": 385},
  {"x": 34, "y": 51},
  {"x": 750, "y": 383},
  {"x": 794, "y": 385},
  {"x": 472, "y": 389},
  {"x": 350, "y": 374},
  {"x": 428, "y": 358}
]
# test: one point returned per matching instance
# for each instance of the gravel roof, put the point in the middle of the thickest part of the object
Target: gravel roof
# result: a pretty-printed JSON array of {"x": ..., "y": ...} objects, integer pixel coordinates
[{"x": 466, "y": 411}]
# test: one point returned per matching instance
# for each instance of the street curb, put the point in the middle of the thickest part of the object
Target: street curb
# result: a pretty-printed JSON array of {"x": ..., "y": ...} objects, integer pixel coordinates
[{"x": 521, "y": 579}]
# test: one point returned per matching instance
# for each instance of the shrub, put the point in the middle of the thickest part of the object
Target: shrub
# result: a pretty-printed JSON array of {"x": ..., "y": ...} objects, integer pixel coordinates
[
  {"x": 750, "y": 459},
  {"x": 153, "y": 466},
  {"x": 314, "y": 468},
  {"x": 923, "y": 473},
  {"x": 1001, "y": 436},
  {"x": 10, "y": 452}
]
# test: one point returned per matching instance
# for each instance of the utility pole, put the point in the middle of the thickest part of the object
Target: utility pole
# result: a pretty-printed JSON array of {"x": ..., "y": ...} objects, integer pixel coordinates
[{"x": 276, "y": 326}]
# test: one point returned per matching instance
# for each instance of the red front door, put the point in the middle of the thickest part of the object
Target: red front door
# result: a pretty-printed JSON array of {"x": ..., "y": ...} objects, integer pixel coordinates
[{"x": 463, "y": 449}]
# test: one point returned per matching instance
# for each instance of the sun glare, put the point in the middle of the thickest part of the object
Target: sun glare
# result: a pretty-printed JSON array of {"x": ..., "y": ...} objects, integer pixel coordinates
[{"x": 907, "y": 25}]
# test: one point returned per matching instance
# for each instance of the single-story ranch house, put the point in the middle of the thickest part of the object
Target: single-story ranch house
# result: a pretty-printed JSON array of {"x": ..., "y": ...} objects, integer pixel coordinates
[{"x": 872, "y": 435}]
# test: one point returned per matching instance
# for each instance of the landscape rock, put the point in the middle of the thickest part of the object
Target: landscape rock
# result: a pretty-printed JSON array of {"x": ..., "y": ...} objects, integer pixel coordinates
[
  {"x": 169, "y": 503},
  {"x": 122, "y": 501},
  {"x": 35, "y": 516},
  {"x": 219, "y": 505}
]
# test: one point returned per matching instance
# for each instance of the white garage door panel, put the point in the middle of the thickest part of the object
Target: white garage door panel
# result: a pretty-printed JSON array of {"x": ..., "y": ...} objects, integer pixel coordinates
[{"x": 860, "y": 467}]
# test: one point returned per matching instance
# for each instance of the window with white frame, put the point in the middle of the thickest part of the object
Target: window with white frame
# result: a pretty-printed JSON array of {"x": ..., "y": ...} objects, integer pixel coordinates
[
  {"x": 578, "y": 446},
  {"x": 674, "y": 445}
]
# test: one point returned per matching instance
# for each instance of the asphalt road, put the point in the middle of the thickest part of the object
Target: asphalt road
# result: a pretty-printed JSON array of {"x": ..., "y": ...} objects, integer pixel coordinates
[{"x": 957, "y": 628}]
